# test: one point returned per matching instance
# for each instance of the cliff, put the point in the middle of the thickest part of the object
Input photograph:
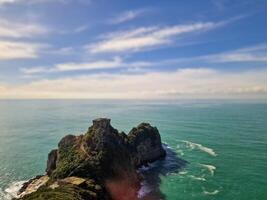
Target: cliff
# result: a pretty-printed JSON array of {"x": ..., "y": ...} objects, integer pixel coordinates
[{"x": 101, "y": 164}]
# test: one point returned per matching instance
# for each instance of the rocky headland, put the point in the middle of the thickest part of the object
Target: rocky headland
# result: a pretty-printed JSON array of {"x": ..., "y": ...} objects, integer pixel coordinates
[{"x": 101, "y": 164}]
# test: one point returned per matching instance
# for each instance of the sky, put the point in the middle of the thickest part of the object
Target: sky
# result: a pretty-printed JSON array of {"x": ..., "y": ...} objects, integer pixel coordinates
[{"x": 142, "y": 49}]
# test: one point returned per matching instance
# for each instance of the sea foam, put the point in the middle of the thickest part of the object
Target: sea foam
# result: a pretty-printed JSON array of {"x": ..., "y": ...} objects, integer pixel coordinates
[
  {"x": 210, "y": 168},
  {"x": 180, "y": 152},
  {"x": 183, "y": 172},
  {"x": 11, "y": 191},
  {"x": 197, "y": 178},
  {"x": 200, "y": 147},
  {"x": 210, "y": 192}
]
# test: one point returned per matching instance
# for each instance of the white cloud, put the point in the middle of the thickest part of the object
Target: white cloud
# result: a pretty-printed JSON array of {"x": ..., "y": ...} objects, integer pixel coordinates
[
  {"x": 146, "y": 37},
  {"x": 151, "y": 37},
  {"x": 240, "y": 57},
  {"x": 126, "y": 16},
  {"x": 19, "y": 50},
  {"x": 106, "y": 64},
  {"x": 81, "y": 29},
  {"x": 256, "y": 53},
  {"x": 8, "y": 1},
  {"x": 20, "y": 30},
  {"x": 184, "y": 83},
  {"x": 117, "y": 62},
  {"x": 35, "y": 70}
]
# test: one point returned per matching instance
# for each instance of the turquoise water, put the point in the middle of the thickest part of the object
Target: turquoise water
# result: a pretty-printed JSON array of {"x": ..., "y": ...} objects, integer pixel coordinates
[{"x": 224, "y": 142}]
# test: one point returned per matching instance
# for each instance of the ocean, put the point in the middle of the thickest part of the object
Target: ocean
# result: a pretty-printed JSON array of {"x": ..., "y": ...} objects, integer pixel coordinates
[{"x": 224, "y": 142}]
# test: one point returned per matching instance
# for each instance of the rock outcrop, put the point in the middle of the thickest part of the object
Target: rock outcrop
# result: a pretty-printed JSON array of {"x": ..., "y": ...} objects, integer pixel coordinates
[
  {"x": 146, "y": 144},
  {"x": 101, "y": 164},
  {"x": 51, "y": 161}
]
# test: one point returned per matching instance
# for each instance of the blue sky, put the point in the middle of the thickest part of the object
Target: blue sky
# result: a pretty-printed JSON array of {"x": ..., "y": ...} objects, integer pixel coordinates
[{"x": 133, "y": 49}]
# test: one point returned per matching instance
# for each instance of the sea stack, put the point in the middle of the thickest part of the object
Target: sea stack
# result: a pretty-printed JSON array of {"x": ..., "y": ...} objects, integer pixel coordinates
[{"x": 98, "y": 165}]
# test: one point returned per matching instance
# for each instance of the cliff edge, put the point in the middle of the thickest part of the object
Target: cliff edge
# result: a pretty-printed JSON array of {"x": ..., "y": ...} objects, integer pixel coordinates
[{"x": 98, "y": 165}]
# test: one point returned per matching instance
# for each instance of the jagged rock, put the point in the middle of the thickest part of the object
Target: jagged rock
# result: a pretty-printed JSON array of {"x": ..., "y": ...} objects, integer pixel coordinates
[
  {"x": 69, "y": 157},
  {"x": 51, "y": 161},
  {"x": 101, "y": 123},
  {"x": 145, "y": 141},
  {"x": 101, "y": 161},
  {"x": 101, "y": 149},
  {"x": 33, "y": 185}
]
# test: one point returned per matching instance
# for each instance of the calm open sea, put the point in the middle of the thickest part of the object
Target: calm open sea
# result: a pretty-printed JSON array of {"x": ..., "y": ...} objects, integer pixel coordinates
[{"x": 224, "y": 142}]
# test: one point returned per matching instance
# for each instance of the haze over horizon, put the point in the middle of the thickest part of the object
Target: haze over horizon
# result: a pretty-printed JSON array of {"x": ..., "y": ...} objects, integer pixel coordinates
[{"x": 133, "y": 49}]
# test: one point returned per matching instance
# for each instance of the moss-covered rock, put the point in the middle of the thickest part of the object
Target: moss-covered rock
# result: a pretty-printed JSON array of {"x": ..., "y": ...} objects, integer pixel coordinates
[
  {"x": 82, "y": 165},
  {"x": 70, "y": 157}
]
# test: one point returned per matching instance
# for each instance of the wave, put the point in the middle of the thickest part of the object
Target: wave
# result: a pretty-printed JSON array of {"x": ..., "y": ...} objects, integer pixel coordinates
[
  {"x": 180, "y": 152},
  {"x": 11, "y": 191},
  {"x": 200, "y": 147},
  {"x": 197, "y": 178},
  {"x": 210, "y": 168},
  {"x": 183, "y": 172},
  {"x": 210, "y": 193}
]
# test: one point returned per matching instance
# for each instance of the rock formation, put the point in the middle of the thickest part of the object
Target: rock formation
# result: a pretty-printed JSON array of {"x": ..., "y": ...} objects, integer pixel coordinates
[
  {"x": 145, "y": 142},
  {"x": 101, "y": 164}
]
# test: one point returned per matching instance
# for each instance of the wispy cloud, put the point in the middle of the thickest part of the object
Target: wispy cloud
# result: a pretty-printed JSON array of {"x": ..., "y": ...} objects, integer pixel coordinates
[
  {"x": 183, "y": 83},
  {"x": 127, "y": 16},
  {"x": 10, "y": 2},
  {"x": 10, "y": 29},
  {"x": 7, "y": 1},
  {"x": 116, "y": 62},
  {"x": 147, "y": 37},
  {"x": 81, "y": 29},
  {"x": 19, "y": 50},
  {"x": 256, "y": 53},
  {"x": 102, "y": 64},
  {"x": 12, "y": 40},
  {"x": 35, "y": 70},
  {"x": 64, "y": 51}
]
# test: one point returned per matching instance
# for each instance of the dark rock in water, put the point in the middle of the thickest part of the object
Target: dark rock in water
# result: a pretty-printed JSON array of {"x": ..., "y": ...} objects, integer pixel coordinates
[
  {"x": 146, "y": 144},
  {"x": 101, "y": 164}
]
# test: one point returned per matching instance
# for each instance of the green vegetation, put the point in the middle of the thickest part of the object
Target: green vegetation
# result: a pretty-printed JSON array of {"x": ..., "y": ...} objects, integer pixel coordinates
[
  {"x": 89, "y": 160},
  {"x": 66, "y": 192},
  {"x": 70, "y": 159}
]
